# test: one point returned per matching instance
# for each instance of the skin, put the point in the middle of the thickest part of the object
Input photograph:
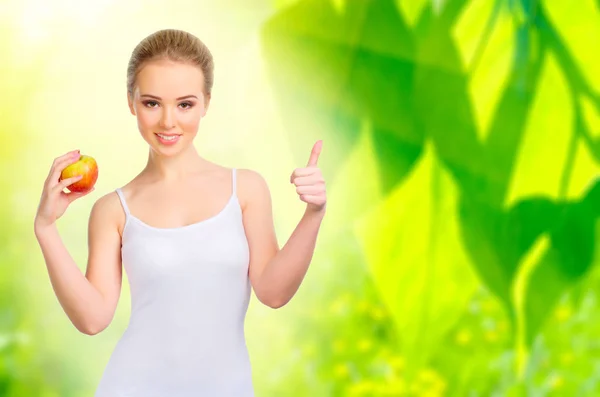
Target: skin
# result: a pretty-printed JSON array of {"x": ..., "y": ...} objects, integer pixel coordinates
[{"x": 174, "y": 174}]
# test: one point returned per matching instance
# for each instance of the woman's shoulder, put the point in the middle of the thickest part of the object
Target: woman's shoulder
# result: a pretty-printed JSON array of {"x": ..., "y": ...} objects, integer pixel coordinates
[
  {"x": 108, "y": 209},
  {"x": 109, "y": 202},
  {"x": 252, "y": 186},
  {"x": 112, "y": 205},
  {"x": 250, "y": 177}
]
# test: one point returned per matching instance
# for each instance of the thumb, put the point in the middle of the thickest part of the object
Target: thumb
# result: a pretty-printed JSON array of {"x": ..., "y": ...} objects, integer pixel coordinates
[
  {"x": 75, "y": 195},
  {"x": 314, "y": 154}
]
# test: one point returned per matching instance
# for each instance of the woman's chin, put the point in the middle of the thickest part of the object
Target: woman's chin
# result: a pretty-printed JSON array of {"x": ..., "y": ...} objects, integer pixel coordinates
[
  {"x": 169, "y": 149},
  {"x": 166, "y": 152}
]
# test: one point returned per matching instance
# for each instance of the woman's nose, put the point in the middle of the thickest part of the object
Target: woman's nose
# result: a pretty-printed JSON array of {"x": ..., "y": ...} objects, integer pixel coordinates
[{"x": 167, "y": 120}]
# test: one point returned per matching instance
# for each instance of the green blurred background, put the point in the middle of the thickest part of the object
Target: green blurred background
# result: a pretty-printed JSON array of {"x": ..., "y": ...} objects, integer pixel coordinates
[{"x": 461, "y": 149}]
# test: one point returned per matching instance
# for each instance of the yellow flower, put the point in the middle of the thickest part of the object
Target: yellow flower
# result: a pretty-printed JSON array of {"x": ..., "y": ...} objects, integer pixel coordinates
[
  {"x": 428, "y": 376},
  {"x": 557, "y": 382},
  {"x": 364, "y": 345},
  {"x": 395, "y": 387},
  {"x": 397, "y": 363},
  {"x": 463, "y": 337},
  {"x": 563, "y": 313},
  {"x": 431, "y": 393},
  {"x": 338, "y": 306},
  {"x": 415, "y": 389},
  {"x": 377, "y": 313},
  {"x": 363, "y": 306},
  {"x": 430, "y": 383},
  {"x": 385, "y": 353},
  {"x": 567, "y": 358},
  {"x": 488, "y": 306},
  {"x": 365, "y": 388},
  {"x": 341, "y": 371},
  {"x": 491, "y": 335},
  {"x": 341, "y": 304}
]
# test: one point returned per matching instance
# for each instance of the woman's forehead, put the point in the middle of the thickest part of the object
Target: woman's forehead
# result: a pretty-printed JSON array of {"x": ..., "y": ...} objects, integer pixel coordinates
[{"x": 170, "y": 78}]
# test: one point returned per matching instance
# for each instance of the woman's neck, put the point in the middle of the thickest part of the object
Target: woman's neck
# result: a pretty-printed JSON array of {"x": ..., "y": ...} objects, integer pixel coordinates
[{"x": 174, "y": 168}]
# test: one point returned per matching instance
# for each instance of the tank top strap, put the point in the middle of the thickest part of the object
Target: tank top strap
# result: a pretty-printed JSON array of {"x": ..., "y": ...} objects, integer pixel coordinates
[
  {"x": 234, "y": 181},
  {"x": 122, "y": 198}
]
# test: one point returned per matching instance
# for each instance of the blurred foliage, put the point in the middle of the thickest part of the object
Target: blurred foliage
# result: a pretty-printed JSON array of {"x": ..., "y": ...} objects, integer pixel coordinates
[
  {"x": 459, "y": 255},
  {"x": 501, "y": 191},
  {"x": 15, "y": 342}
]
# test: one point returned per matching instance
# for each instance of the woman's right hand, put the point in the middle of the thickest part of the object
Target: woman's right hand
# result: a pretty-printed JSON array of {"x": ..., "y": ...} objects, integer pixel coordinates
[{"x": 54, "y": 200}]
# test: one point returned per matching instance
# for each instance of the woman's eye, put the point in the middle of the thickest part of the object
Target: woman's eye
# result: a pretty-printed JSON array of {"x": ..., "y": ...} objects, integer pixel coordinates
[
  {"x": 153, "y": 104},
  {"x": 150, "y": 104}
]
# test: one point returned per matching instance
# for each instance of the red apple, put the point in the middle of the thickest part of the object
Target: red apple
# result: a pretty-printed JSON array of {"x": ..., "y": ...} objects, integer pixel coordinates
[{"x": 85, "y": 166}]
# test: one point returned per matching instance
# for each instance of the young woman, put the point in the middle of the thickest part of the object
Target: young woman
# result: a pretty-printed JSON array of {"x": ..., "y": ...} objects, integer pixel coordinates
[{"x": 194, "y": 237}]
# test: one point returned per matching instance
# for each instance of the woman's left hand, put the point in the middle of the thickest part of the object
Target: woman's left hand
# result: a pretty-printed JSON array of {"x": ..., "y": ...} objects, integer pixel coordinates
[{"x": 309, "y": 182}]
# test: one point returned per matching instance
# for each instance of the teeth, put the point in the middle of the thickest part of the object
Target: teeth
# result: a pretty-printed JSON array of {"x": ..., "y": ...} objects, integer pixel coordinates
[{"x": 167, "y": 138}]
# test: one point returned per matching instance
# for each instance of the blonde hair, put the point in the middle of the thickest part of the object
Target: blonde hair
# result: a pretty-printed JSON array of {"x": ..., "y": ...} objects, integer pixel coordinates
[{"x": 174, "y": 45}]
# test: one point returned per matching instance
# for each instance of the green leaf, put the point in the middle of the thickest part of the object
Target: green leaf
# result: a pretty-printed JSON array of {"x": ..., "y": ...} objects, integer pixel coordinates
[
  {"x": 411, "y": 10},
  {"x": 413, "y": 249},
  {"x": 552, "y": 169},
  {"x": 445, "y": 109},
  {"x": 487, "y": 53},
  {"x": 578, "y": 37},
  {"x": 585, "y": 169},
  {"x": 519, "y": 296},
  {"x": 569, "y": 257},
  {"x": 540, "y": 162}
]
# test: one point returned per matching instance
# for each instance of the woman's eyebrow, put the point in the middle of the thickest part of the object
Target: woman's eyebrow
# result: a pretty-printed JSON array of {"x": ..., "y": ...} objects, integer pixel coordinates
[{"x": 156, "y": 97}]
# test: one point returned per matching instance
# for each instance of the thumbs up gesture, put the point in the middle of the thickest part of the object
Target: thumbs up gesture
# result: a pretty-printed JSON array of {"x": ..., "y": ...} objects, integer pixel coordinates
[{"x": 309, "y": 181}]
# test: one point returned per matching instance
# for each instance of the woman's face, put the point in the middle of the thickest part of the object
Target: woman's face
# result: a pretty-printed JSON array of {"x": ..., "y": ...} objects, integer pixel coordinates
[{"x": 169, "y": 101}]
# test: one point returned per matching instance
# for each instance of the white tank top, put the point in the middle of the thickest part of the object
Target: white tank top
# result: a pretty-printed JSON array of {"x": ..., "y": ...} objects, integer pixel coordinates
[{"x": 189, "y": 296}]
